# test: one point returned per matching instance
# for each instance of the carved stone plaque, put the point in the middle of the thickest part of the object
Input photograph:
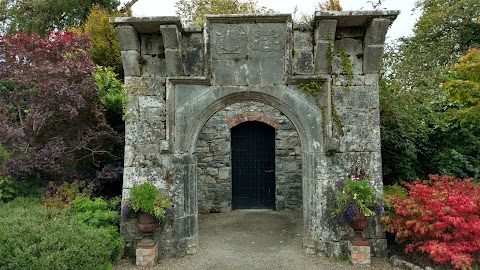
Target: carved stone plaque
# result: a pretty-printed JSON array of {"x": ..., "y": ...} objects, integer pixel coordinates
[{"x": 229, "y": 41}]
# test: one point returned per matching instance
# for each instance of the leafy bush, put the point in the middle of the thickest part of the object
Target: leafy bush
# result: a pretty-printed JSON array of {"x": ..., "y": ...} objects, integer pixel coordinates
[
  {"x": 97, "y": 213},
  {"x": 6, "y": 188},
  {"x": 46, "y": 238},
  {"x": 50, "y": 118},
  {"x": 100, "y": 214},
  {"x": 440, "y": 217},
  {"x": 62, "y": 196}
]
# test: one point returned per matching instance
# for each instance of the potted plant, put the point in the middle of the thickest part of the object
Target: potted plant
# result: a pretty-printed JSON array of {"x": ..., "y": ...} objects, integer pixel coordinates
[
  {"x": 150, "y": 205},
  {"x": 357, "y": 201}
]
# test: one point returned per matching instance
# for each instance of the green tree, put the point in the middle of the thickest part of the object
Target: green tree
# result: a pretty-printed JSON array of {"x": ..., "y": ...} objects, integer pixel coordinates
[
  {"x": 424, "y": 127},
  {"x": 105, "y": 49},
  {"x": 43, "y": 16},
  {"x": 193, "y": 11},
  {"x": 445, "y": 30}
]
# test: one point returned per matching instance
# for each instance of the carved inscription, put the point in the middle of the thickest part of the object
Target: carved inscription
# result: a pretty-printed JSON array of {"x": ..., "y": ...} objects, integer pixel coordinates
[
  {"x": 230, "y": 40},
  {"x": 265, "y": 40}
]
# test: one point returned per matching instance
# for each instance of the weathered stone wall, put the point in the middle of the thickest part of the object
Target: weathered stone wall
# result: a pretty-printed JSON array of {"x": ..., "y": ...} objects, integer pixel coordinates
[
  {"x": 214, "y": 158},
  {"x": 178, "y": 78}
]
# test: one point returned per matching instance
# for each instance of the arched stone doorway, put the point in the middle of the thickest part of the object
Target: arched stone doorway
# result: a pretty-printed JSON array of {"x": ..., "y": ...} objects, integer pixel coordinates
[{"x": 214, "y": 157}]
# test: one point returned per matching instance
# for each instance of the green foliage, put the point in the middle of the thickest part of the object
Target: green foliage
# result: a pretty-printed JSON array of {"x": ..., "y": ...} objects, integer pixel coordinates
[
  {"x": 62, "y": 195},
  {"x": 347, "y": 68},
  {"x": 396, "y": 191},
  {"x": 42, "y": 238},
  {"x": 97, "y": 213},
  {"x": 193, "y": 11},
  {"x": 111, "y": 94},
  {"x": 7, "y": 190},
  {"x": 43, "y": 16},
  {"x": 463, "y": 88},
  {"x": 147, "y": 198},
  {"x": 105, "y": 49}
]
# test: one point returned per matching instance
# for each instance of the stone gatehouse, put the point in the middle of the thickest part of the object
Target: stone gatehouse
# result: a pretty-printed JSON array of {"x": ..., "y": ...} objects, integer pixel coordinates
[{"x": 252, "y": 111}]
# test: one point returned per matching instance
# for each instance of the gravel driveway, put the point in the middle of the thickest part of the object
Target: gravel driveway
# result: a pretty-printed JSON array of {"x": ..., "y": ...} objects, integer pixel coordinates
[{"x": 252, "y": 240}]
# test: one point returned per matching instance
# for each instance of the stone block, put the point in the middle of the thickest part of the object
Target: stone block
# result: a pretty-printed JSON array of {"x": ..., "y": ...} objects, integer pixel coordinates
[
  {"x": 153, "y": 66},
  {"x": 359, "y": 97},
  {"x": 325, "y": 30},
  {"x": 359, "y": 255},
  {"x": 350, "y": 45},
  {"x": 355, "y": 61},
  {"x": 149, "y": 86},
  {"x": 372, "y": 59},
  {"x": 173, "y": 60},
  {"x": 128, "y": 38},
  {"x": 232, "y": 72},
  {"x": 229, "y": 41},
  {"x": 171, "y": 36},
  {"x": 379, "y": 247},
  {"x": 152, "y": 45},
  {"x": 376, "y": 31},
  {"x": 322, "y": 50},
  {"x": 272, "y": 71},
  {"x": 131, "y": 65},
  {"x": 350, "y": 32},
  {"x": 266, "y": 41},
  {"x": 371, "y": 79},
  {"x": 302, "y": 40},
  {"x": 193, "y": 62},
  {"x": 303, "y": 62}
]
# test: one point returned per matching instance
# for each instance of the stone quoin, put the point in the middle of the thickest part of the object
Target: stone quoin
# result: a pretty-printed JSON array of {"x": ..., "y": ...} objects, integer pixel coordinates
[{"x": 188, "y": 88}]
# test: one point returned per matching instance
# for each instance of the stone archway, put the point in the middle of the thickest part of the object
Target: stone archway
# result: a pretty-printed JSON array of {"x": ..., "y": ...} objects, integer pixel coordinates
[
  {"x": 178, "y": 78},
  {"x": 214, "y": 157}
]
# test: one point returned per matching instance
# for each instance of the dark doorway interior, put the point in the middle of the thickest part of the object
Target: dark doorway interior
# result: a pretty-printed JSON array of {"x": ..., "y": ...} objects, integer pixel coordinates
[{"x": 253, "y": 166}]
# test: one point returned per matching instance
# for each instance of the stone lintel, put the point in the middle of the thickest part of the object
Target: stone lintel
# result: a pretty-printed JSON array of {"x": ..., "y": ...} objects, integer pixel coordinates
[
  {"x": 249, "y": 18},
  {"x": 146, "y": 25},
  {"x": 355, "y": 18},
  {"x": 194, "y": 80}
]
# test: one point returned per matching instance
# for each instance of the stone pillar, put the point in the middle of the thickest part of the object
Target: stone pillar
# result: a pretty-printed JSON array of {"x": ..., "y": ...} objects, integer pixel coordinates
[
  {"x": 173, "y": 49},
  {"x": 146, "y": 252}
]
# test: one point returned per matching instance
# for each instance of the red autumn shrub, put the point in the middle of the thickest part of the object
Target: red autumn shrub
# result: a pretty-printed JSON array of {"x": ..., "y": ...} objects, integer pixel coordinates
[{"x": 440, "y": 217}]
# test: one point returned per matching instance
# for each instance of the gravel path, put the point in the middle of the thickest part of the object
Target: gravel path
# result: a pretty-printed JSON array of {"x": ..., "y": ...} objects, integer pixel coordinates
[{"x": 252, "y": 240}]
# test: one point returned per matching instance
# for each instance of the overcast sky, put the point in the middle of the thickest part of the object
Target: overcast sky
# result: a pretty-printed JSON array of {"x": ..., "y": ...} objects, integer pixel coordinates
[{"x": 401, "y": 27}]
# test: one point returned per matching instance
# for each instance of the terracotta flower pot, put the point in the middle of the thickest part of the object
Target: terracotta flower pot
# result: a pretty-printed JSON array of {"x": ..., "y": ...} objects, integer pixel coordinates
[
  {"x": 146, "y": 224},
  {"x": 359, "y": 224}
]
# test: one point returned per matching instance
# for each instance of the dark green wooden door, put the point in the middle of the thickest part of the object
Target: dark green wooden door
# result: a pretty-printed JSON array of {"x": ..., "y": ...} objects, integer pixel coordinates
[{"x": 253, "y": 166}]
